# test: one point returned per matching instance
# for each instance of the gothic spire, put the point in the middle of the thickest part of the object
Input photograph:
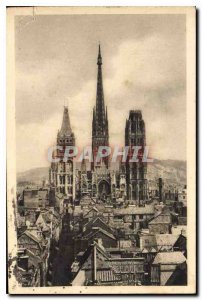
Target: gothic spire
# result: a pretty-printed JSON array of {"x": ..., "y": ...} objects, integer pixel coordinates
[
  {"x": 106, "y": 118},
  {"x": 100, "y": 135},
  {"x": 66, "y": 127},
  {"x": 99, "y": 58},
  {"x": 100, "y": 107}
]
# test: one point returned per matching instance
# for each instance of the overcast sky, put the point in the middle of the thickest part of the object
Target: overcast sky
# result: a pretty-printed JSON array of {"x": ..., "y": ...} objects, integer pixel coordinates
[{"x": 144, "y": 67}]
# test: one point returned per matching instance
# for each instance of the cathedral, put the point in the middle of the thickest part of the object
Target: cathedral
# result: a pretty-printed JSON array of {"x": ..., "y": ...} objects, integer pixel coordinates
[{"x": 99, "y": 179}]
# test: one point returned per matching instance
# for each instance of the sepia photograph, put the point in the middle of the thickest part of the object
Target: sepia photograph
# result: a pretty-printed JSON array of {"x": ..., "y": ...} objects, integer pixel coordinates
[{"x": 101, "y": 150}]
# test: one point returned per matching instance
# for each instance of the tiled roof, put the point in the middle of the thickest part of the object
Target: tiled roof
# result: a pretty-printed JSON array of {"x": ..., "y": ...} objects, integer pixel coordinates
[
  {"x": 33, "y": 259},
  {"x": 179, "y": 229},
  {"x": 139, "y": 210},
  {"x": 34, "y": 237},
  {"x": 169, "y": 258},
  {"x": 101, "y": 223},
  {"x": 159, "y": 241},
  {"x": 162, "y": 218},
  {"x": 93, "y": 208},
  {"x": 101, "y": 258},
  {"x": 166, "y": 239},
  {"x": 95, "y": 231}
]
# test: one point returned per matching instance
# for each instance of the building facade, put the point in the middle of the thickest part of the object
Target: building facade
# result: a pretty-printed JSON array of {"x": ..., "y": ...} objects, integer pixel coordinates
[{"x": 100, "y": 180}]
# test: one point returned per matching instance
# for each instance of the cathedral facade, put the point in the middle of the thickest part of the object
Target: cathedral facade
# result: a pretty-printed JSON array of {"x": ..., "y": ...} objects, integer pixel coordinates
[
  {"x": 98, "y": 179},
  {"x": 102, "y": 180}
]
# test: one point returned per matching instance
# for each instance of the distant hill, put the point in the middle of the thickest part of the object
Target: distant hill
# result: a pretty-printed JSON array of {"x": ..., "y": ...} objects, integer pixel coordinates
[
  {"x": 36, "y": 175},
  {"x": 172, "y": 171}
]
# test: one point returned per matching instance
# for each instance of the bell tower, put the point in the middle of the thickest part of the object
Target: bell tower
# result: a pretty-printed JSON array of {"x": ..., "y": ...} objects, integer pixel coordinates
[
  {"x": 136, "y": 171},
  {"x": 62, "y": 172}
]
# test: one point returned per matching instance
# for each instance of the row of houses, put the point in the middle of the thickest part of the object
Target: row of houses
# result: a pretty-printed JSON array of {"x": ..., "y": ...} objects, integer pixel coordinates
[
  {"x": 39, "y": 224},
  {"x": 112, "y": 245},
  {"x": 127, "y": 246}
]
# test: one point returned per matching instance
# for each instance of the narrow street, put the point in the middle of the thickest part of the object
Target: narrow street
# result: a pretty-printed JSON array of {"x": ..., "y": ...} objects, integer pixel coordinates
[{"x": 65, "y": 256}]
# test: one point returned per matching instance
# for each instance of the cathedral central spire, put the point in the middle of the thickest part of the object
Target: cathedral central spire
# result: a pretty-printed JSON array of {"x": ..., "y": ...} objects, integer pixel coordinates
[
  {"x": 100, "y": 136},
  {"x": 100, "y": 107},
  {"x": 99, "y": 58}
]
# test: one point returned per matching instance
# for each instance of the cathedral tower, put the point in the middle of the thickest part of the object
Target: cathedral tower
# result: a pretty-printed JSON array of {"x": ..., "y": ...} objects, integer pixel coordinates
[
  {"x": 62, "y": 172},
  {"x": 136, "y": 171},
  {"x": 100, "y": 135}
]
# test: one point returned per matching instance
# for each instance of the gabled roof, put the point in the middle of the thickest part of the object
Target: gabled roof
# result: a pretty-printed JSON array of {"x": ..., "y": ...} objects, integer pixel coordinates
[
  {"x": 166, "y": 239},
  {"x": 153, "y": 250},
  {"x": 97, "y": 230},
  {"x": 159, "y": 242},
  {"x": 161, "y": 219},
  {"x": 91, "y": 223},
  {"x": 175, "y": 257},
  {"x": 39, "y": 241},
  {"x": 179, "y": 229},
  {"x": 101, "y": 257},
  {"x": 33, "y": 258},
  {"x": 108, "y": 269},
  {"x": 93, "y": 208},
  {"x": 136, "y": 210}
]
